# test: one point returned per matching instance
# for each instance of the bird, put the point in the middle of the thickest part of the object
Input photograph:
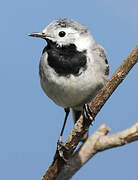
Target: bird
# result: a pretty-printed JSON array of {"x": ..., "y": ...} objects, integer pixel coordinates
[{"x": 73, "y": 67}]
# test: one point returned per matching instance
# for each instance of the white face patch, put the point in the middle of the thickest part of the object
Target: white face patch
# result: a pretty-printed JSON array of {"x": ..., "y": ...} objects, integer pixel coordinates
[
  {"x": 84, "y": 42},
  {"x": 69, "y": 38}
]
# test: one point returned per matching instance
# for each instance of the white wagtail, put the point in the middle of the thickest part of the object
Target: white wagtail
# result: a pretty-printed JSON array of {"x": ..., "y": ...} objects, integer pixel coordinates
[{"x": 73, "y": 67}]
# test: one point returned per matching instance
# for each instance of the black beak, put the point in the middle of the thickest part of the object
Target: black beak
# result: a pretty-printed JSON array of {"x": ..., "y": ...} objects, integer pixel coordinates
[{"x": 38, "y": 34}]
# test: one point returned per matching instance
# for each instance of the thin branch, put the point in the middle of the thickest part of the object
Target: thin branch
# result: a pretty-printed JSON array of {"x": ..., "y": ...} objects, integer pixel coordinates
[
  {"x": 81, "y": 127},
  {"x": 98, "y": 141}
]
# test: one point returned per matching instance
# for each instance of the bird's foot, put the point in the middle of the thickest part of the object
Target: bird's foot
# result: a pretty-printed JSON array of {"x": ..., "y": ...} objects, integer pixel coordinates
[
  {"x": 88, "y": 114},
  {"x": 61, "y": 151}
]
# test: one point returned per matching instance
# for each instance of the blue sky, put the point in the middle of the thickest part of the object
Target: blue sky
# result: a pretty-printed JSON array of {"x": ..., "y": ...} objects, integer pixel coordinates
[{"x": 30, "y": 122}]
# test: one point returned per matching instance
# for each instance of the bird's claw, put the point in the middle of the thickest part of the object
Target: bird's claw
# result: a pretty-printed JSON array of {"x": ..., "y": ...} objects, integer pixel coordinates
[{"x": 60, "y": 152}]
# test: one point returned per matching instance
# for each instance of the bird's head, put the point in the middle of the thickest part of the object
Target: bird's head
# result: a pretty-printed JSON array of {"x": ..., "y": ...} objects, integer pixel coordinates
[{"x": 64, "y": 32}]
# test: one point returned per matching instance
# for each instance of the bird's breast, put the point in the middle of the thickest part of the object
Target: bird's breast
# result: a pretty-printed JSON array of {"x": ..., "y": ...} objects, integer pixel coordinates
[
  {"x": 65, "y": 60},
  {"x": 68, "y": 90}
]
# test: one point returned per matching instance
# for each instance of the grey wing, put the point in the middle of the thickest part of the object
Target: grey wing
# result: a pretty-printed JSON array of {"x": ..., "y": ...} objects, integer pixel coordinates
[
  {"x": 99, "y": 50},
  {"x": 41, "y": 70}
]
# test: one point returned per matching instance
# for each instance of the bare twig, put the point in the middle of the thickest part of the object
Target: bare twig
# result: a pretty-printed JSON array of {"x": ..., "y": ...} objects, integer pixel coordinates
[
  {"x": 81, "y": 127},
  {"x": 98, "y": 141}
]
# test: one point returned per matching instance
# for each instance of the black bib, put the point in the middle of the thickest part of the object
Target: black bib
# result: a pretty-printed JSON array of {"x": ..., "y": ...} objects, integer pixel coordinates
[{"x": 66, "y": 59}]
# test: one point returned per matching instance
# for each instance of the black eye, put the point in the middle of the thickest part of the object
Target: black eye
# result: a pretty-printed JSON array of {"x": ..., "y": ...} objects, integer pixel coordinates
[{"x": 61, "y": 33}]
